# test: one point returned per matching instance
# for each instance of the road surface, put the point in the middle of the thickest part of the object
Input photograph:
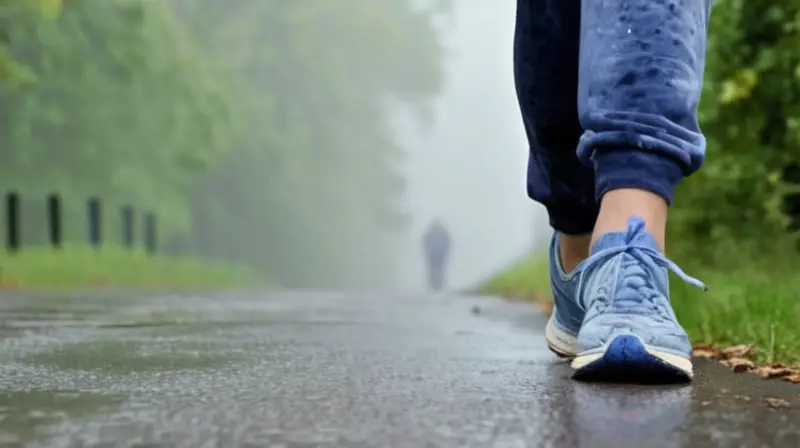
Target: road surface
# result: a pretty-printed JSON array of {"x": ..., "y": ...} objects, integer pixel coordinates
[{"x": 318, "y": 369}]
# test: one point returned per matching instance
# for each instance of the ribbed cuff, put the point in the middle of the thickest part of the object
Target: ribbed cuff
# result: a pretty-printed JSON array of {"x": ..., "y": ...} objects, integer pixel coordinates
[{"x": 615, "y": 169}]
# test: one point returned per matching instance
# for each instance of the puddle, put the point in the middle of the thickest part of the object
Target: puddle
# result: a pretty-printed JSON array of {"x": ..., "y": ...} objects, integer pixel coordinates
[{"x": 126, "y": 357}]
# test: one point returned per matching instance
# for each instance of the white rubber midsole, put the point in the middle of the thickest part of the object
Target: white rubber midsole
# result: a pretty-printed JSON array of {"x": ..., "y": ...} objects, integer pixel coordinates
[
  {"x": 679, "y": 362},
  {"x": 558, "y": 339}
]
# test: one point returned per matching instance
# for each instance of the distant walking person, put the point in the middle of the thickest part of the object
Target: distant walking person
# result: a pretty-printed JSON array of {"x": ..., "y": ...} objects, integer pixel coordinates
[{"x": 436, "y": 245}]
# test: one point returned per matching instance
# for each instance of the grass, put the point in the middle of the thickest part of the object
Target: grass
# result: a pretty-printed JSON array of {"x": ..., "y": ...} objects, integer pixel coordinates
[
  {"x": 528, "y": 279},
  {"x": 80, "y": 266},
  {"x": 749, "y": 301}
]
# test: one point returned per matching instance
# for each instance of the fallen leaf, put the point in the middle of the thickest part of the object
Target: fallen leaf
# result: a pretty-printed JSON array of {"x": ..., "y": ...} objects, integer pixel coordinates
[
  {"x": 775, "y": 371},
  {"x": 737, "y": 351},
  {"x": 706, "y": 352},
  {"x": 776, "y": 403},
  {"x": 739, "y": 365},
  {"x": 794, "y": 378}
]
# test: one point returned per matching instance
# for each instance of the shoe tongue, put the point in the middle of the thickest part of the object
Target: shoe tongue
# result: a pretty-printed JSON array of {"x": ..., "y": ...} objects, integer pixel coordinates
[
  {"x": 635, "y": 271},
  {"x": 609, "y": 240},
  {"x": 635, "y": 234}
]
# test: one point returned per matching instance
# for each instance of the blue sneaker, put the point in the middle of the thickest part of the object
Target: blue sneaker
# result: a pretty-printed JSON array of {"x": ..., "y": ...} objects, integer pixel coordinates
[
  {"x": 562, "y": 329},
  {"x": 630, "y": 331}
]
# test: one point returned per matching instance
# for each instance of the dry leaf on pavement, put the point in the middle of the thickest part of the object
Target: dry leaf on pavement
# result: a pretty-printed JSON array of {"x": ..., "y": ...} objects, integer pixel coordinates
[
  {"x": 737, "y": 351},
  {"x": 794, "y": 378},
  {"x": 776, "y": 403},
  {"x": 774, "y": 371},
  {"x": 739, "y": 365},
  {"x": 705, "y": 352}
]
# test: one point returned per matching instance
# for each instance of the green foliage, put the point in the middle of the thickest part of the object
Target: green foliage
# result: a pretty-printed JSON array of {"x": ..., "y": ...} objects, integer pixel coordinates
[
  {"x": 750, "y": 301},
  {"x": 80, "y": 267},
  {"x": 258, "y": 130},
  {"x": 749, "y": 113},
  {"x": 527, "y": 279},
  {"x": 311, "y": 187},
  {"x": 121, "y": 106}
]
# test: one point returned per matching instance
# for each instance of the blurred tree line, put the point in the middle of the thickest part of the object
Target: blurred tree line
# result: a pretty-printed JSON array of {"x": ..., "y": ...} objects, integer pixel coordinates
[{"x": 258, "y": 130}]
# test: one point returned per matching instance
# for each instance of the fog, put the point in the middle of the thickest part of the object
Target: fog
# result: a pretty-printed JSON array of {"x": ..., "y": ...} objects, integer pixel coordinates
[
  {"x": 279, "y": 137},
  {"x": 469, "y": 169}
]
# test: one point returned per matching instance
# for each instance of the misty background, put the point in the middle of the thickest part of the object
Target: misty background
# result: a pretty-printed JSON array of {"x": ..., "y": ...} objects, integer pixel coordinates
[
  {"x": 310, "y": 141},
  {"x": 469, "y": 169}
]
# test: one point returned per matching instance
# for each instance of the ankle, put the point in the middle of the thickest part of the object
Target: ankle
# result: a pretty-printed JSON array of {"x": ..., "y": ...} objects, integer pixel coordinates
[
  {"x": 573, "y": 249},
  {"x": 618, "y": 206}
]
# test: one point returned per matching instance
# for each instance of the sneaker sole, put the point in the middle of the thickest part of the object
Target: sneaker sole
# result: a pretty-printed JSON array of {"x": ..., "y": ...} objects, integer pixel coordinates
[
  {"x": 563, "y": 344},
  {"x": 628, "y": 359}
]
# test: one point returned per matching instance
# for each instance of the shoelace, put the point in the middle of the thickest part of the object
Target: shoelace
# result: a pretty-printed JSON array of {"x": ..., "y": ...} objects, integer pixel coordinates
[{"x": 645, "y": 256}]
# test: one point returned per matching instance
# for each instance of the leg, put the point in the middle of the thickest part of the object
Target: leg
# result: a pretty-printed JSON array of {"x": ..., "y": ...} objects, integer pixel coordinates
[
  {"x": 435, "y": 274},
  {"x": 431, "y": 276},
  {"x": 546, "y": 50},
  {"x": 640, "y": 82},
  {"x": 436, "y": 277},
  {"x": 641, "y": 74}
]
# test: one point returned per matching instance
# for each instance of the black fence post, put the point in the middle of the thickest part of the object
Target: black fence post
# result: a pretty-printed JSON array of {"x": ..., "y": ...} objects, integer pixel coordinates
[
  {"x": 127, "y": 226},
  {"x": 12, "y": 222},
  {"x": 150, "y": 233},
  {"x": 95, "y": 222},
  {"x": 54, "y": 220}
]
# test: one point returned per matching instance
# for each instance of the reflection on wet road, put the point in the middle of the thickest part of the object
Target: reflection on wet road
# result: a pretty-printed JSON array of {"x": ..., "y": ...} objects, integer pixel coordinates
[{"x": 332, "y": 370}]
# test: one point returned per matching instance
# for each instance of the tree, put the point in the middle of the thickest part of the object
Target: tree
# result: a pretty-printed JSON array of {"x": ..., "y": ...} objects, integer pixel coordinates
[
  {"x": 120, "y": 105},
  {"x": 749, "y": 112},
  {"x": 258, "y": 129},
  {"x": 314, "y": 78}
]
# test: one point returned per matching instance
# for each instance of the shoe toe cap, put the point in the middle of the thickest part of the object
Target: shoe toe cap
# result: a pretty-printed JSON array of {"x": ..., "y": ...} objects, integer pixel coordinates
[{"x": 669, "y": 336}]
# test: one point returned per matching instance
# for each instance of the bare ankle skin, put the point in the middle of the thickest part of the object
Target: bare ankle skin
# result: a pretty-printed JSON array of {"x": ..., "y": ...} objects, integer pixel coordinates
[
  {"x": 617, "y": 206},
  {"x": 573, "y": 249}
]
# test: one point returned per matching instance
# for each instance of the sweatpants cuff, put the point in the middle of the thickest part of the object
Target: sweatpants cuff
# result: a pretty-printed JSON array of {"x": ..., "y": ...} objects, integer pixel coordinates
[{"x": 615, "y": 169}]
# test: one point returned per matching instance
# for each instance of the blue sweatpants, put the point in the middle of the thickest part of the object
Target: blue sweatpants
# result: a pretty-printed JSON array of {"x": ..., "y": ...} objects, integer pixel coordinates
[{"x": 609, "y": 92}]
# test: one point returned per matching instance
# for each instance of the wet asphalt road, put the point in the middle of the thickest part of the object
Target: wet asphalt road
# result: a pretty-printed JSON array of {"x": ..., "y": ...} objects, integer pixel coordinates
[{"x": 332, "y": 370}]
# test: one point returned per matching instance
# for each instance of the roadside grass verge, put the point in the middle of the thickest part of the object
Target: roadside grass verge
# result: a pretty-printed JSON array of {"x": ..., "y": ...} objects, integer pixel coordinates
[
  {"x": 751, "y": 300},
  {"x": 528, "y": 279},
  {"x": 82, "y": 267}
]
